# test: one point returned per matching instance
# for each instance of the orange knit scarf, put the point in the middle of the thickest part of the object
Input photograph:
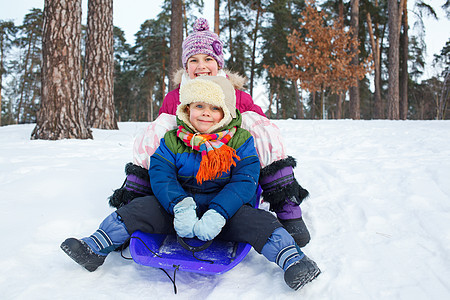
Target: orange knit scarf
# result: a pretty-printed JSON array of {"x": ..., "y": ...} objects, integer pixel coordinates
[{"x": 217, "y": 157}]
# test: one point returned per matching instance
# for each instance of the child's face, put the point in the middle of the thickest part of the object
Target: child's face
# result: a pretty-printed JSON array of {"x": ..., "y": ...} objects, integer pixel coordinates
[
  {"x": 201, "y": 65},
  {"x": 203, "y": 115}
]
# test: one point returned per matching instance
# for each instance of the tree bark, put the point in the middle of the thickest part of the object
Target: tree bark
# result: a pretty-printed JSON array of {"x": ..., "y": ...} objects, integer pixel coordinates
[
  {"x": 163, "y": 73},
  {"x": 444, "y": 98},
  {"x": 322, "y": 105},
  {"x": 404, "y": 78},
  {"x": 278, "y": 101},
  {"x": 354, "y": 90},
  {"x": 185, "y": 25},
  {"x": 393, "y": 60},
  {"x": 298, "y": 99},
  {"x": 217, "y": 16},
  {"x": 269, "y": 109},
  {"x": 339, "y": 106},
  {"x": 61, "y": 112},
  {"x": 0, "y": 101},
  {"x": 1, "y": 71},
  {"x": 99, "y": 66},
  {"x": 230, "y": 41},
  {"x": 32, "y": 42},
  {"x": 176, "y": 39},
  {"x": 378, "y": 114},
  {"x": 150, "y": 102},
  {"x": 313, "y": 105},
  {"x": 255, "y": 37},
  {"x": 25, "y": 76}
]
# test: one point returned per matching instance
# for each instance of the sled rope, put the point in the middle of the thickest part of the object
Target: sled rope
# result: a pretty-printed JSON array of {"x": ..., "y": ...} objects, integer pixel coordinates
[
  {"x": 177, "y": 267},
  {"x": 192, "y": 249},
  {"x": 185, "y": 245},
  {"x": 138, "y": 238},
  {"x": 154, "y": 253}
]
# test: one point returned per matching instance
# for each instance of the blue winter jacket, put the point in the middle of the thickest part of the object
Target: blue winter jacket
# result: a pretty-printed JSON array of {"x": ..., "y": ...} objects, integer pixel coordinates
[{"x": 174, "y": 165}]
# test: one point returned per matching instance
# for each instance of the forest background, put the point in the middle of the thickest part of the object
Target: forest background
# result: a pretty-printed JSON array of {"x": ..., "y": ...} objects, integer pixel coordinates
[{"x": 260, "y": 38}]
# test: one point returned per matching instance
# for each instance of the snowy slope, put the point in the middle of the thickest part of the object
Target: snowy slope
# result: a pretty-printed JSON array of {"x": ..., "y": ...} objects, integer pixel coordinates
[{"x": 379, "y": 215}]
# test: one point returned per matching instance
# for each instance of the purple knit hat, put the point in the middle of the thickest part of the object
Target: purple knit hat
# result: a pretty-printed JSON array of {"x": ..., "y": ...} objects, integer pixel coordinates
[{"x": 202, "y": 41}]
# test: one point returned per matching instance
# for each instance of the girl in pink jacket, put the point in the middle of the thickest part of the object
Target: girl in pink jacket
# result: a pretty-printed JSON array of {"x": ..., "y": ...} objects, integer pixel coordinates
[{"x": 203, "y": 56}]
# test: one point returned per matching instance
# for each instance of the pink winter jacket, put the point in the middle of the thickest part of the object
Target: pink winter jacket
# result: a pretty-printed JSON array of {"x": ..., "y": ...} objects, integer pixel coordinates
[
  {"x": 244, "y": 101},
  {"x": 268, "y": 139}
]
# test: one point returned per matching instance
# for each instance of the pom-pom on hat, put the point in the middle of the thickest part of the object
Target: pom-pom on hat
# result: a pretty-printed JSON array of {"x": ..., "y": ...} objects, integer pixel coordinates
[
  {"x": 202, "y": 41},
  {"x": 214, "y": 90}
]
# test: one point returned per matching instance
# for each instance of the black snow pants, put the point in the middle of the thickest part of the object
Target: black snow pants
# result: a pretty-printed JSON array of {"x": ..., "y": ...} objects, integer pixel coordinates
[{"x": 248, "y": 225}]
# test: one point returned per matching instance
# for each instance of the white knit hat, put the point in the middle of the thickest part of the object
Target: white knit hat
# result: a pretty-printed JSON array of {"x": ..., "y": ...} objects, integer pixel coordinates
[{"x": 214, "y": 90}]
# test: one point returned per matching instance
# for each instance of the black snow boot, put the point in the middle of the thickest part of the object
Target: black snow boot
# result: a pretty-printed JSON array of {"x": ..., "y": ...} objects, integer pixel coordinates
[
  {"x": 284, "y": 194},
  {"x": 300, "y": 273},
  {"x": 80, "y": 252},
  {"x": 298, "y": 230}
]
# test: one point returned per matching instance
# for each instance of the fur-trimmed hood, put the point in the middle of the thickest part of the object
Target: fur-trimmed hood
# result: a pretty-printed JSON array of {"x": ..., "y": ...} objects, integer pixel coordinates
[
  {"x": 214, "y": 90},
  {"x": 237, "y": 80}
]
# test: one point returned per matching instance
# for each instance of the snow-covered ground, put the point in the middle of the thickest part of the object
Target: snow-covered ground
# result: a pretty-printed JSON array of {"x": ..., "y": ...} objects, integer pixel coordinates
[{"x": 379, "y": 215}]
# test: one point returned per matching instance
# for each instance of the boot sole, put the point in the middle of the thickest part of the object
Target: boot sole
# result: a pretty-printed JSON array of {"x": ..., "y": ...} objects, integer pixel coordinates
[
  {"x": 78, "y": 258},
  {"x": 310, "y": 278}
]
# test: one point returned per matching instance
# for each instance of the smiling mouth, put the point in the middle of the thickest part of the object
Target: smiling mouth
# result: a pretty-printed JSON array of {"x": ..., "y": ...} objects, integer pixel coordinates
[{"x": 202, "y": 74}]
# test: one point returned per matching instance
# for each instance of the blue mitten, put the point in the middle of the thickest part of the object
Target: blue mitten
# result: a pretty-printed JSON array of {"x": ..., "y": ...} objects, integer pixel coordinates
[
  {"x": 185, "y": 217},
  {"x": 209, "y": 226}
]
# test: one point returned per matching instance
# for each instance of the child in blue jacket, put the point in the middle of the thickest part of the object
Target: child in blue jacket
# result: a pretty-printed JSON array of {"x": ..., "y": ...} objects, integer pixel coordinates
[{"x": 204, "y": 176}]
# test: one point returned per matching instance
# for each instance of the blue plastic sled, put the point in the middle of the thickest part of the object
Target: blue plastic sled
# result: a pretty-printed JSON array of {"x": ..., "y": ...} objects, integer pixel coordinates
[
  {"x": 167, "y": 253},
  {"x": 164, "y": 251}
]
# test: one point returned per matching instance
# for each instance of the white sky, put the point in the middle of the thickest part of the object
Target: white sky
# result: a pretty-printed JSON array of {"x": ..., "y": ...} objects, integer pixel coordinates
[{"x": 130, "y": 14}]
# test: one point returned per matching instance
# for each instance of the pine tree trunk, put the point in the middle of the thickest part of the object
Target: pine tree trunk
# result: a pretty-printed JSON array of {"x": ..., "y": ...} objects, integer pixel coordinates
[
  {"x": 230, "y": 36},
  {"x": 0, "y": 99},
  {"x": 444, "y": 98},
  {"x": 99, "y": 66},
  {"x": 269, "y": 109},
  {"x": 1, "y": 75},
  {"x": 322, "y": 104},
  {"x": 393, "y": 61},
  {"x": 339, "y": 106},
  {"x": 217, "y": 16},
  {"x": 313, "y": 105},
  {"x": 298, "y": 99},
  {"x": 255, "y": 37},
  {"x": 23, "y": 83},
  {"x": 6, "y": 27},
  {"x": 378, "y": 114},
  {"x": 278, "y": 102},
  {"x": 176, "y": 39},
  {"x": 163, "y": 72},
  {"x": 61, "y": 112},
  {"x": 150, "y": 103},
  {"x": 183, "y": 8},
  {"x": 354, "y": 90},
  {"x": 404, "y": 69}
]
